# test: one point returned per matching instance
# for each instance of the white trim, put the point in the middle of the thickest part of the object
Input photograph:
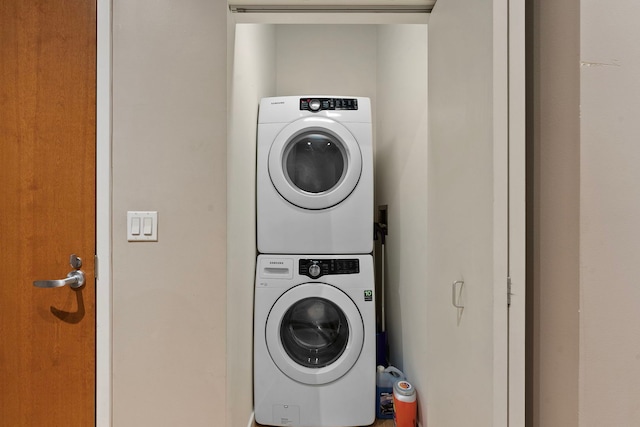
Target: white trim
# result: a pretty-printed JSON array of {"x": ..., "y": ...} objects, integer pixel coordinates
[
  {"x": 344, "y": 6},
  {"x": 329, "y": 18},
  {"x": 517, "y": 212},
  {"x": 103, "y": 214},
  {"x": 307, "y": 9},
  {"x": 501, "y": 211},
  {"x": 251, "y": 420}
]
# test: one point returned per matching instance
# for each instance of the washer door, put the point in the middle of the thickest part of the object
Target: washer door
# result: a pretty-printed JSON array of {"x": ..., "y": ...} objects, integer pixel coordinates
[
  {"x": 315, "y": 163},
  {"x": 314, "y": 333}
]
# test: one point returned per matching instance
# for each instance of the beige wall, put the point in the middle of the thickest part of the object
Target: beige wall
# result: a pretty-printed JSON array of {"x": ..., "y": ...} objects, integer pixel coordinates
[
  {"x": 254, "y": 77},
  {"x": 554, "y": 246},
  {"x": 585, "y": 210},
  {"x": 401, "y": 153},
  {"x": 308, "y": 64},
  {"x": 609, "y": 214},
  {"x": 169, "y": 144}
]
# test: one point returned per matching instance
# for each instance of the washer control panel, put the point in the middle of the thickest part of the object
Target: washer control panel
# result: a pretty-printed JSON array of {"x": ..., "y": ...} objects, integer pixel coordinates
[
  {"x": 319, "y": 104},
  {"x": 315, "y": 268}
]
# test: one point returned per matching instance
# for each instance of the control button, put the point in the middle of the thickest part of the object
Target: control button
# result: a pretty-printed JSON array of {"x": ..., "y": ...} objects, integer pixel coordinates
[
  {"x": 314, "y": 270},
  {"x": 315, "y": 104}
]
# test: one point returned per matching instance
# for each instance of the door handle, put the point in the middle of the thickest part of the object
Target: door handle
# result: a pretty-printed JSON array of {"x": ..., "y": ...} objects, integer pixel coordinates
[
  {"x": 75, "y": 279},
  {"x": 455, "y": 295}
]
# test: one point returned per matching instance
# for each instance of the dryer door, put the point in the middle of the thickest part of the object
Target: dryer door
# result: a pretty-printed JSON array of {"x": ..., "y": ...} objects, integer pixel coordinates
[
  {"x": 314, "y": 333},
  {"x": 315, "y": 163}
]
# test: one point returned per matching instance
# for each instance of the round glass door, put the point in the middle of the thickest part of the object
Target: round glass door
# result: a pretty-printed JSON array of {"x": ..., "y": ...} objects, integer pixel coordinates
[
  {"x": 314, "y": 333},
  {"x": 315, "y": 163}
]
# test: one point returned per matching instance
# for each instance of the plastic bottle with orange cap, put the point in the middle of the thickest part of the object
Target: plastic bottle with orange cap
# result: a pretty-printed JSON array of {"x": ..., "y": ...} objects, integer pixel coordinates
[{"x": 405, "y": 404}]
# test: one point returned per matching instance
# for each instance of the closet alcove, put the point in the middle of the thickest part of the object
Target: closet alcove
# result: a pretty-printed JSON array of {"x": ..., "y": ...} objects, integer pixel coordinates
[{"x": 446, "y": 148}]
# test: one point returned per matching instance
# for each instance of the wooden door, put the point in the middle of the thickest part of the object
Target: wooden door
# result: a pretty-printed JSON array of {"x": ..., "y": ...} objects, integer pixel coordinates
[
  {"x": 468, "y": 215},
  {"x": 47, "y": 211}
]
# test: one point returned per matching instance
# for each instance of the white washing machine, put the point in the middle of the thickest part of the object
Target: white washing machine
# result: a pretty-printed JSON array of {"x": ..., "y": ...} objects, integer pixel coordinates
[
  {"x": 315, "y": 175},
  {"x": 314, "y": 341}
]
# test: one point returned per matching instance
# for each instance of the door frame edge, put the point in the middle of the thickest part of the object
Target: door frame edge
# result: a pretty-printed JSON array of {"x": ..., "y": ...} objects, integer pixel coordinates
[
  {"x": 517, "y": 212},
  {"x": 103, "y": 214}
]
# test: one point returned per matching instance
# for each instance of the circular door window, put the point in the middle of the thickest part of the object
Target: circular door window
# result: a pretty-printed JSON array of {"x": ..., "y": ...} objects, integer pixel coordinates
[
  {"x": 315, "y": 163},
  {"x": 314, "y": 333}
]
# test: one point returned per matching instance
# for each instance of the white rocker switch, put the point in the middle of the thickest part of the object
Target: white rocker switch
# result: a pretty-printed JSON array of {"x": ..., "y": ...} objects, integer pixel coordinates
[
  {"x": 147, "y": 226},
  {"x": 135, "y": 226}
]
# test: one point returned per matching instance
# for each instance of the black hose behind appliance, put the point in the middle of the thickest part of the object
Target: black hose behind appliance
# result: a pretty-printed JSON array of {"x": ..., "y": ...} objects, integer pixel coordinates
[{"x": 380, "y": 231}]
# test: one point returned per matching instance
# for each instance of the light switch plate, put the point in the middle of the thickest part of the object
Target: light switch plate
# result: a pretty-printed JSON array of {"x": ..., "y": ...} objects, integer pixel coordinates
[{"x": 136, "y": 231}]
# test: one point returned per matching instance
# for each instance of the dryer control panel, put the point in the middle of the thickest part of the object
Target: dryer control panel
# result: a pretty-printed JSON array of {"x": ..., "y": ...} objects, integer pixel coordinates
[
  {"x": 315, "y": 268},
  {"x": 319, "y": 104}
]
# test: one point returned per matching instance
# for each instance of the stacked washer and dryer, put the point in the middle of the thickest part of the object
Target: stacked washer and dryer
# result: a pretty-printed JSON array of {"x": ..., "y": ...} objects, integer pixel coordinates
[{"x": 314, "y": 323}]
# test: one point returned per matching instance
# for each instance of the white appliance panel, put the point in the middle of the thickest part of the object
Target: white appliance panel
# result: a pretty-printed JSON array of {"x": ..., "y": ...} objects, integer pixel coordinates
[
  {"x": 343, "y": 392},
  {"x": 295, "y": 217}
]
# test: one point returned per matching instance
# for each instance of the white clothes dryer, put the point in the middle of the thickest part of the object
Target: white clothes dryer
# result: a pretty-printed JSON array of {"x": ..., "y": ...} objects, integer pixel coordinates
[
  {"x": 314, "y": 175},
  {"x": 314, "y": 341}
]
